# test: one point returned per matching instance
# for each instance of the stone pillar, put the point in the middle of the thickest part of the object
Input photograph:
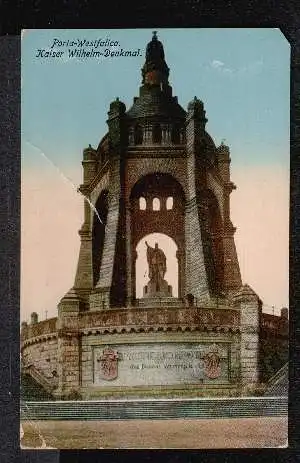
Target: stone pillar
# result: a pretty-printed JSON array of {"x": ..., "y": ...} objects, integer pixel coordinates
[
  {"x": 147, "y": 140},
  {"x": 232, "y": 274},
  {"x": 89, "y": 164},
  {"x": 197, "y": 281},
  {"x": 131, "y": 136},
  {"x": 181, "y": 273},
  {"x": 34, "y": 318},
  {"x": 128, "y": 258},
  {"x": 166, "y": 134},
  {"x": 250, "y": 314},
  {"x": 68, "y": 345},
  {"x": 84, "y": 273}
]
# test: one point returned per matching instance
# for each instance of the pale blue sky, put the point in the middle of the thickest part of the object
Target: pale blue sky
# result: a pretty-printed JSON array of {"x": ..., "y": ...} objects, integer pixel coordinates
[{"x": 242, "y": 76}]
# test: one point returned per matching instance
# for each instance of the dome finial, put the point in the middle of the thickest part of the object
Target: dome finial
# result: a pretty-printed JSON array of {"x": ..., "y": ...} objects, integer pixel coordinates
[{"x": 154, "y": 35}]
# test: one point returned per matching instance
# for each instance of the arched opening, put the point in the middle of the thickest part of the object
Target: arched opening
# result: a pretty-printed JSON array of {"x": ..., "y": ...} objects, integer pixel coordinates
[
  {"x": 156, "y": 204},
  {"x": 169, "y": 248},
  {"x": 169, "y": 203},
  {"x": 156, "y": 133},
  {"x": 138, "y": 134},
  {"x": 143, "y": 223},
  {"x": 99, "y": 223},
  {"x": 142, "y": 203}
]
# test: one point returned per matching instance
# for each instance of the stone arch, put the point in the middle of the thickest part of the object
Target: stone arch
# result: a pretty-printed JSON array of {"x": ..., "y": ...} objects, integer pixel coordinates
[
  {"x": 98, "y": 232},
  {"x": 142, "y": 203},
  {"x": 170, "y": 223},
  {"x": 156, "y": 204},
  {"x": 170, "y": 248}
]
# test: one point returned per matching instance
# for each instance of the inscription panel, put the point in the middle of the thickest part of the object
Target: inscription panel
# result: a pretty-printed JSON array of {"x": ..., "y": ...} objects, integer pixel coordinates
[{"x": 161, "y": 364}]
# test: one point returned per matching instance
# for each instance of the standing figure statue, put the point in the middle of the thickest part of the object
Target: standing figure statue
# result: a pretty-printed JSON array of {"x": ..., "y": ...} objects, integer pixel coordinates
[{"x": 157, "y": 265}]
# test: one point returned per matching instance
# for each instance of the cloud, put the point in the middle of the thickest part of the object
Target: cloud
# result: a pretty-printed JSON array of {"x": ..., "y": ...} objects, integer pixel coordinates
[
  {"x": 220, "y": 66},
  {"x": 217, "y": 64},
  {"x": 252, "y": 68}
]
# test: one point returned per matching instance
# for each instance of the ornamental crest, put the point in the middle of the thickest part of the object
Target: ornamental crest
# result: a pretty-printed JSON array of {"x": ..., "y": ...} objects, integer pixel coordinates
[
  {"x": 108, "y": 364},
  {"x": 212, "y": 363}
]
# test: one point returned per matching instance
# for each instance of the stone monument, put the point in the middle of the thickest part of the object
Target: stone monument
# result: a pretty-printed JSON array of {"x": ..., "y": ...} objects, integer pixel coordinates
[
  {"x": 157, "y": 285},
  {"x": 108, "y": 342}
]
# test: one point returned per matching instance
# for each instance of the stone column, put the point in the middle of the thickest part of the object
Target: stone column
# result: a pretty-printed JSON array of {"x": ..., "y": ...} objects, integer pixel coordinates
[
  {"x": 196, "y": 271},
  {"x": 250, "y": 314},
  {"x": 131, "y": 136},
  {"x": 147, "y": 140},
  {"x": 181, "y": 273},
  {"x": 129, "y": 257},
  {"x": 166, "y": 134},
  {"x": 68, "y": 345},
  {"x": 84, "y": 273}
]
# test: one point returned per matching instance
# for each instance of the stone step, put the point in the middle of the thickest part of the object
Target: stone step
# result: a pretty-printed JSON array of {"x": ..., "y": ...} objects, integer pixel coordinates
[{"x": 155, "y": 409}]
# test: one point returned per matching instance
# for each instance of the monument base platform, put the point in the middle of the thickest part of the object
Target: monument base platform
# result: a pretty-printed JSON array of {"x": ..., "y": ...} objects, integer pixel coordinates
[{"x": 153, "y": 289}]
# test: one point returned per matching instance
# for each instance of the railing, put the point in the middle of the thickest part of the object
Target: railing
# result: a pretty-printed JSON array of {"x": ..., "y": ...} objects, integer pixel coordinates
[
  {"x": 37, "y": 329},
  {"x": 48, "y": 384},
  {"x": 160, "y": 317},
  {"x": 280, "y": 376},
  {"x": 148, "y": 318}
]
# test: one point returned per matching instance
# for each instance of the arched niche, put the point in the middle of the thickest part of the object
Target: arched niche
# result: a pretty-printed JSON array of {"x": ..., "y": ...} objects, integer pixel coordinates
[
  {"x": 142, "y": 223},
  {"x": 170, "y": 248},
  {"x": 142, "y": 203},
  {"x": 169, "y": 203},
  {"x": 156, "y": 204},
  {"x": 99, "y": 223}
]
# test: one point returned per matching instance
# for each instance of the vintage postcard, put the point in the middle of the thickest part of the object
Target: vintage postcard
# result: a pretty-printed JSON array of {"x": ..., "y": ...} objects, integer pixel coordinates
[{"x": 155, "y": 211}]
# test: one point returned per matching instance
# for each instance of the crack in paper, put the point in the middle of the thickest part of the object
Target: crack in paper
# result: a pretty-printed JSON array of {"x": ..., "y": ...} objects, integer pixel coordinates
[{"x": 41, "y": 152}]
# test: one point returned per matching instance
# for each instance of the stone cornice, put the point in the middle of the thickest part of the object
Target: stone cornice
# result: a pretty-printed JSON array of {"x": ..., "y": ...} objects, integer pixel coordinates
[
  {"x": 135, "y": 320},
  {"x": 38, "y": 339},
  {"x": 159, "y": 319},
  {"x": 155, "y": 152}
]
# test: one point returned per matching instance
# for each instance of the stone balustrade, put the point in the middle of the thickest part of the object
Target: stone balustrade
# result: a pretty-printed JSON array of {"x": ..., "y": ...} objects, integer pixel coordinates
[
  {"x": 44, "y": 327},
  {"x": 146, "y": 319},
  {"x": 156, "y": 318}
]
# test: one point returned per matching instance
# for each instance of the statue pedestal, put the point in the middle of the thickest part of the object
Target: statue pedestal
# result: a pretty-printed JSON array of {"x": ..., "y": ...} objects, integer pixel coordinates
[{"x": 157, "y": 289}]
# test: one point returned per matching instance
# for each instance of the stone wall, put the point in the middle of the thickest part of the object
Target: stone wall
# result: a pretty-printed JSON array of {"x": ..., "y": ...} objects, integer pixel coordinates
[
  {"x": 42, "y": 354},
  {"x": 167, "y": 372},
  {"x": 274, "y": 344}
]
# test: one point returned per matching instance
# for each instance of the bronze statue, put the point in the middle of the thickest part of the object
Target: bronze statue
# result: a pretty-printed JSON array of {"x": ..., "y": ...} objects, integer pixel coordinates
[{"x": 157, "y": 263}]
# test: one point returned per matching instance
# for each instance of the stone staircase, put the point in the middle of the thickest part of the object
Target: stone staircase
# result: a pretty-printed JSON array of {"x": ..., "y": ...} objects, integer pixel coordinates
[
  {"x": 48, "y": 385},
  {"x": 278, "y": 385},
  {"x": 158, "y": 409},
  {"x": 31, "y": 390}
]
